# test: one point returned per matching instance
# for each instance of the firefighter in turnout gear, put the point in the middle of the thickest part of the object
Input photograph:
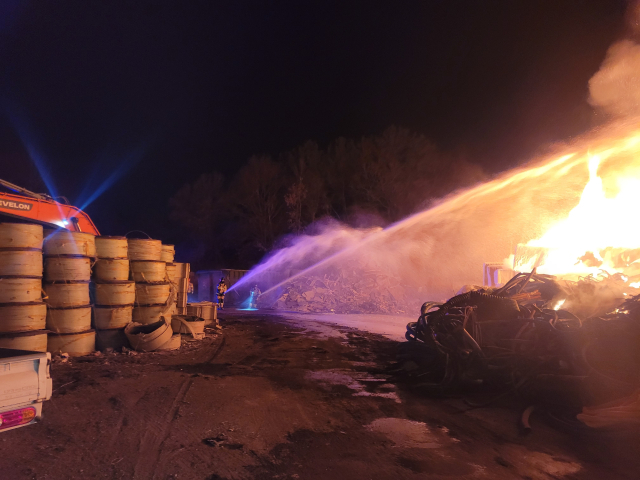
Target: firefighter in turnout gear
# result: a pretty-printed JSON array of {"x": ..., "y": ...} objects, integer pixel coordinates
[
  {"x": 222, "y": 289},
  {"x": 253, "y": 300}
]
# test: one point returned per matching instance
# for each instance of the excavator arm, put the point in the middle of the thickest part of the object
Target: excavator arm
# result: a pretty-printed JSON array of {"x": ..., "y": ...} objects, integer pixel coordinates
[{"x": 41, "y": 208}]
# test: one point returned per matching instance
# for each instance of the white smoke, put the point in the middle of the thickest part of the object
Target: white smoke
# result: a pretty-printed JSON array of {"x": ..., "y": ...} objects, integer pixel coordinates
[
  {"x": 615, "y": 88},
  {"x": 297, "y": 253}
]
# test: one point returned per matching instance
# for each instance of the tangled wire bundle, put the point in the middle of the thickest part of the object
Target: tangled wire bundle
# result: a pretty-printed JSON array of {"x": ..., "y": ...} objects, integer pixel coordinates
[{"x": 516, "y": 337}]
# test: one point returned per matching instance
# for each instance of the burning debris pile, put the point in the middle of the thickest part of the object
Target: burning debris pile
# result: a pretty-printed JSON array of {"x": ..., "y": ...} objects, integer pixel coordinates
[
  {"x": 346, "y": 291},
  {"x": 517, "y": 339}
]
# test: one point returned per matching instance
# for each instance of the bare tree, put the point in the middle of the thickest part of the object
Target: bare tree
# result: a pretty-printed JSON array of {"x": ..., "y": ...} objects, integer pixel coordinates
[
  {"x": 294, "y": 199},
  {"x": 257, "y": 195},
  {"x": 339, "y": 170},
  {"x": 199, "y": 206},
  {"x": 307, "y": 196}
]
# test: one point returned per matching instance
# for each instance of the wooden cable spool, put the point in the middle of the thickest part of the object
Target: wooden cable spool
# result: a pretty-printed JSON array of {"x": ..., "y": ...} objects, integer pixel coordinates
[
  {"x": 21, "y": 235},
  {"x": 147, "y": 338},
  {"x": 61, "y": 295},
  {"x": 108, "y": 318},
  {"x": 152, "y": 293},
  {"x": 152, "y": 313},
  {"x": 35, "y": 341},
  {"x": 69, "y": 320},
  {"x": 173, "y": 343},
  {"x": 21, "y": 263},
  {"x": 112, "y": 247},
  {"x": 67, "y": 269},
  {"x": 23, "y": 317},
  {"x": 75, "y": 344},
  {"x": 182, "y": 270},
  {"x": 148, "y": 271},
  {"x": 65, "y": 242},
  {"x": 188, "y": 325},
  {"x": 168, "y": 253},
  {"x": 20, "y": 290},
  {"x": 115, "y": 339},
  {"x": 115, "y": 293},
  {"x": 144, "y": 249},
  {"x": 204, "y": 310},
  {"x": 111, "y": 270},
  {"x": 171, "y": 272}
]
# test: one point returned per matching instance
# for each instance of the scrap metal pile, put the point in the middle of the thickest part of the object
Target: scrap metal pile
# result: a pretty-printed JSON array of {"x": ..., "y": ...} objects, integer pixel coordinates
[
  {"x": 345, "y": 291},
  {"x": 583, "y": 357}
]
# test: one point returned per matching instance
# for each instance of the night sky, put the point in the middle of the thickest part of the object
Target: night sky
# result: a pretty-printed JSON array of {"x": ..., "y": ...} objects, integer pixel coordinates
[{"x": 136, "y": 98}]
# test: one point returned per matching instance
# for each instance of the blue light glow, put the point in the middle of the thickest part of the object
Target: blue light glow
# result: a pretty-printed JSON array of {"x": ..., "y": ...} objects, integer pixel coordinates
[
  {"x": 90, "y": 194},
  {"x": 27, "y": 137},
  {"x": 246, "y": 305}
]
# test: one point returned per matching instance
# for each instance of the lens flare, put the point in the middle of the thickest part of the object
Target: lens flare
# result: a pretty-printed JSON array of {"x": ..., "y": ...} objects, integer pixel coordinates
[
  {"x": 90, "y": 194},
  {"x": 27, "y": 137}
]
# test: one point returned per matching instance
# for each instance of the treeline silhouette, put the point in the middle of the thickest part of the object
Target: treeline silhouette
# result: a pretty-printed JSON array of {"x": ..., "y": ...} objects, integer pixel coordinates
[{"x": 232, "y": 223}]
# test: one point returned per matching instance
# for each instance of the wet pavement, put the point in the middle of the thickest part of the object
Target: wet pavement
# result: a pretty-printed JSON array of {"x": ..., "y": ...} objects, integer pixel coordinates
[{"x": 272, "y": 398}]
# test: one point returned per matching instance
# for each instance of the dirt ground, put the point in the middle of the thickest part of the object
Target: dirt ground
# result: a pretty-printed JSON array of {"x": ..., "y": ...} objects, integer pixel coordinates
[{"x": 265, "y": 399}]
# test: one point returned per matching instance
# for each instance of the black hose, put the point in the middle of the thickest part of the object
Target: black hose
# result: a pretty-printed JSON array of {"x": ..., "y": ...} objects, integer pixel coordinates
[{"x": 525, "y": 426}]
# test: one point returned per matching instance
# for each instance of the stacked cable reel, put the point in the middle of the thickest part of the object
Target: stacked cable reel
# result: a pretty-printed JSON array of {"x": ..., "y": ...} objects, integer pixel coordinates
[
  {"x": 22, "y": 311},
  {"x": 113, "y": 292},
  {"x": 68, "y": 258},
  {"x": 155, "y": 295}
]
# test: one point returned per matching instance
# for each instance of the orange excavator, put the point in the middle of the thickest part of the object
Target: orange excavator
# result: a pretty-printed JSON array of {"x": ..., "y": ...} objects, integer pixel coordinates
[{"x": 43, "y": 209}]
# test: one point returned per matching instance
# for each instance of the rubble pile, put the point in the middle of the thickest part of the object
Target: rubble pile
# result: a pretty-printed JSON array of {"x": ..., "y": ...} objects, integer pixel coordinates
[
  {"x": 547, "y": 341},
  {"x": 346, "y": 291}
]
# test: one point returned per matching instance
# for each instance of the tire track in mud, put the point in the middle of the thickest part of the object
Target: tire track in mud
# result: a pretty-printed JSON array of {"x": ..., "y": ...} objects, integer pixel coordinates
[
  {"x": 159, "y": 429},
  {"x": 156, "y": 434},
  {"x": 124, "y": 411},
  {"x": 217, "y": 351}
]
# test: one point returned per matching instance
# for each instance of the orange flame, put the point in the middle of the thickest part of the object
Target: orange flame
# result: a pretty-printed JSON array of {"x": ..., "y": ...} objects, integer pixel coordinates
[{"x": 602, "y": 233}]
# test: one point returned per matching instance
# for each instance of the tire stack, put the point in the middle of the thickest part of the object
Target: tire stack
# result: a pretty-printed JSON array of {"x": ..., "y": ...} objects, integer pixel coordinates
[
  {"x": 22, "y": 311},
  {"x": 114, "y": 293},
  {"x": 67, "y": 272},
  {"x": 153, "y": 293}
]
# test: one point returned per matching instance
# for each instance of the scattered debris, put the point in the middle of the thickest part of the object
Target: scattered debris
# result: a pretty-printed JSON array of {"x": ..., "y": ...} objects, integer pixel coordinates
[
  {"x": 546, "y": 340},
  {"x": 222, "y": 441},
  {"x": 65, "y": 385},
  {"x": 61, "y": 358}
]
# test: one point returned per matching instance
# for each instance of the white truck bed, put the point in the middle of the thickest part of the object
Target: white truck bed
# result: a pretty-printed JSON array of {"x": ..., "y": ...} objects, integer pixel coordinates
[{"x": 25, "y": 383}]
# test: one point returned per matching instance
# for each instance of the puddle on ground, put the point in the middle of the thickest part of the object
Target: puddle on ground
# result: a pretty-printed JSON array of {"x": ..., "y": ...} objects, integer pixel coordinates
[
  {"x": 335, "y": 377},
  {"x": 364, "y": 364},
  {"x": 314, "y": 329},
  {"x": 539, "y": 465},
  {"x": 408, "y": 433},
  {"x": 352, "y": 380},
  {"x": 390, "y": 395}
]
